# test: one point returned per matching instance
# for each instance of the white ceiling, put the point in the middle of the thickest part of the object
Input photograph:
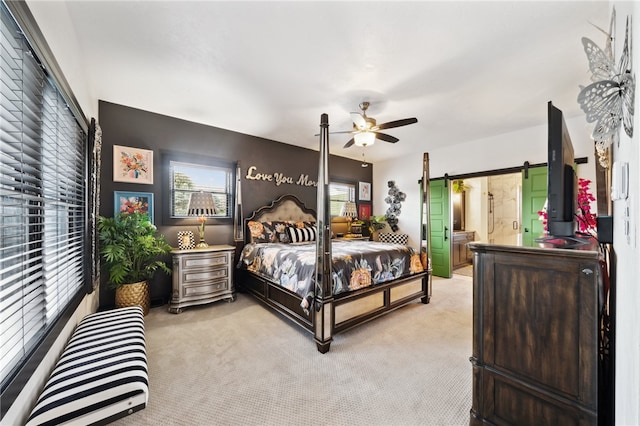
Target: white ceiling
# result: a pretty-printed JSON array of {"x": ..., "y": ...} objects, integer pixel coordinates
[{"x": 466, "y": 70}]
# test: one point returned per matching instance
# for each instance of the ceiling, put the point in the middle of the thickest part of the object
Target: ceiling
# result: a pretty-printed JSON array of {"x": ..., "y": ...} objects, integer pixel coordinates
[{"x": 466, "y": 70}]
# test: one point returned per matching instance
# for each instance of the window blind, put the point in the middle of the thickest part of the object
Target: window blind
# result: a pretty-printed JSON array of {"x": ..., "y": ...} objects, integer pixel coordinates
[
  {"x": 42, "y": 201},
  {"x": 339, "y": 193}
]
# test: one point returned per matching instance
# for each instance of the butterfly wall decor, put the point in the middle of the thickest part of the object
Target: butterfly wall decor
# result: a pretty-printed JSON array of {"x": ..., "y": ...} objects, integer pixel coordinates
[{"x": 609, "y": 100}]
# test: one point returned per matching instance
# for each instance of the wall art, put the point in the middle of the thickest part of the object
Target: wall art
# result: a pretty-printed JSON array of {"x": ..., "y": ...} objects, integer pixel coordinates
[
  {"x": 364, "y": 211},
  {"x": 609, "y": 100},
  {"x": 133, "y": 165},
  {"x": 364, "y": 191},
  {"x": 130, "y": 202}
]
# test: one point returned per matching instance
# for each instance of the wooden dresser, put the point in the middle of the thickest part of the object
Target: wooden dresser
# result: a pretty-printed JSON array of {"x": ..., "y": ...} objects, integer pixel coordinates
[
  {"x": 202, "y": 275},
  {"x": 535, "y": 335}
]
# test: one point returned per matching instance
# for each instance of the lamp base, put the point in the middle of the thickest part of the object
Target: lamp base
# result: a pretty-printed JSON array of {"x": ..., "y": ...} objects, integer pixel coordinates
[{"x": 202, "y": 244}]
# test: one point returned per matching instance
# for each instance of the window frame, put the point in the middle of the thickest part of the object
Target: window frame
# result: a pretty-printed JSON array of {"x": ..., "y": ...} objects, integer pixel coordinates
[
  {"x": 353, "y": 185},
  {"x": 167, "y": 157},
  {"x": 75, "y": 227}
]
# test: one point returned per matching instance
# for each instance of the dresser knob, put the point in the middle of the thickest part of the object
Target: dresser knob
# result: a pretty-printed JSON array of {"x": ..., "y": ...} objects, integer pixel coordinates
[{"x": 587, "y": 271}]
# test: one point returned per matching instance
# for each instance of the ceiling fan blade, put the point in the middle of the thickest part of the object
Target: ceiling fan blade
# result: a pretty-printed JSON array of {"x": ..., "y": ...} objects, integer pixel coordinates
[
  {"x": 386, "y": 138},
  {"x": 396, "y": 123},
  {"x": 348, "y": 144},
  {"x": 358, "y": 120}
]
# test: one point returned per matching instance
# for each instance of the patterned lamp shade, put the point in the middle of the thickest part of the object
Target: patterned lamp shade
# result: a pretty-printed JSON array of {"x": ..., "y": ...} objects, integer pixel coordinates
[
  {"x": 349, "y": 209},
  {"x": 201, "y": 204}
]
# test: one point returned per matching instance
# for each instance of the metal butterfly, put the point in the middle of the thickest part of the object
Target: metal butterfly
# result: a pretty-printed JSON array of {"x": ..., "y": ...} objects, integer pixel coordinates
[{"x": 609, "y": 101}]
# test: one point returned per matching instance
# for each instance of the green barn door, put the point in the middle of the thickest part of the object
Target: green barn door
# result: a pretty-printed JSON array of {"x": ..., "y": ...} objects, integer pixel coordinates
[
  {"x": 440, "y": 229},
  {"x": 534, "y": 195}
]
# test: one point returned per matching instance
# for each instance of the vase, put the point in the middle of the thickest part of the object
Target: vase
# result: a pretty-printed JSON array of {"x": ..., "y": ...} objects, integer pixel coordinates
[{"x": 134, "y": 294}]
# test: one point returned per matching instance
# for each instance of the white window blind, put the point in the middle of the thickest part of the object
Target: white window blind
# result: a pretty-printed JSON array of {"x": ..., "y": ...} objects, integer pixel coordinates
[
  {"x": 42, "y": 201},
  {"x": 340, "y": 192}
]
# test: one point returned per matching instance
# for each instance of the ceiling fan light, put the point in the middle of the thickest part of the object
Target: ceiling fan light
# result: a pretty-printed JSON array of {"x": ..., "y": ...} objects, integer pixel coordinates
[{"x": 364, "y": 138}]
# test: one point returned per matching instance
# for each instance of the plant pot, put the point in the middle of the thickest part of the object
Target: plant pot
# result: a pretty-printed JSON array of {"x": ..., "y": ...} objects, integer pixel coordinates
[{"x": 134, "y": 294}]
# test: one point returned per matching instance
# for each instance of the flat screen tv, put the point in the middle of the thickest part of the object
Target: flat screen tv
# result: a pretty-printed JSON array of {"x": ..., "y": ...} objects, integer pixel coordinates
[{"x": 562, "y": 181}]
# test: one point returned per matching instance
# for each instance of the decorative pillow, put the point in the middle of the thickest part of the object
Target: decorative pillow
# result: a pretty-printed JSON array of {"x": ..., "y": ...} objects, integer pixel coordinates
[
  {"x": 387, "y": 237},
  {"x": 298, "y": 234},
  {"x": 269, "y": 232}
]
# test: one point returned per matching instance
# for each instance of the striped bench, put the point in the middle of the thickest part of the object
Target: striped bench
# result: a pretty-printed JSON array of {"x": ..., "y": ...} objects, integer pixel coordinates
[{"x": 101, "y": 374}]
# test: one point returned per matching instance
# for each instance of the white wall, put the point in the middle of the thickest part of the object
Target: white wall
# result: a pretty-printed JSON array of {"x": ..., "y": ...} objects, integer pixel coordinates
[
  {"x": 626, "y": 247},
  {"x": 499, "y": 152}
]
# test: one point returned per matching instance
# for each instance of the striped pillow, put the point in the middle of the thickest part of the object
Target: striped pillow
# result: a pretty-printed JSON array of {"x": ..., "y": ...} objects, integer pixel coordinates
[{"x": 299, "y": 235}]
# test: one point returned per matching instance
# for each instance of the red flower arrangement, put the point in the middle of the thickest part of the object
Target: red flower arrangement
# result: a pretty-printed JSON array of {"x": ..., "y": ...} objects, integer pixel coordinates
[{"x": 585, "y": 219}]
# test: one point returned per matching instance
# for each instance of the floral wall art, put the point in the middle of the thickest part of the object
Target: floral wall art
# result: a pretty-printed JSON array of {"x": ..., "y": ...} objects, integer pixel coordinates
[
  {"x": 130, "y": 202},
  {"x": 132, "y": 165}
]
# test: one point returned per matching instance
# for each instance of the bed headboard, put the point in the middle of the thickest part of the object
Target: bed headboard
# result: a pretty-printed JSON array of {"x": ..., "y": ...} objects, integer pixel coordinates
[{"x": 286, "y": 208}]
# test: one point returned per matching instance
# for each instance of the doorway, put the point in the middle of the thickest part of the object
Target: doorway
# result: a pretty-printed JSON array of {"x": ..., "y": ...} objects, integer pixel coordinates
[{"x": 493, "y": 208}]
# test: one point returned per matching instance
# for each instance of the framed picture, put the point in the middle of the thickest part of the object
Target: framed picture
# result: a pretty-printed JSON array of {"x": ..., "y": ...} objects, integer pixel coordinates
[
  {"x": 364, "y": 191},
  {"x": 129, "y": 202},
  {"x": 132, "y": 165},
  {"x": 364, "y": 211},
  {"x": 186, "y": 241}
]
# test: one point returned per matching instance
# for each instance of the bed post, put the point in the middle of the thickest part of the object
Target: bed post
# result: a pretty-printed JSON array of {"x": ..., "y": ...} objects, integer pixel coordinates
[{"x": 323, "y": 312}]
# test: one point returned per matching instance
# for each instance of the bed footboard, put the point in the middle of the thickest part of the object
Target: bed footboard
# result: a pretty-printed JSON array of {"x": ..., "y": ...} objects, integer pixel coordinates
[{"x": 346, "y": 310}]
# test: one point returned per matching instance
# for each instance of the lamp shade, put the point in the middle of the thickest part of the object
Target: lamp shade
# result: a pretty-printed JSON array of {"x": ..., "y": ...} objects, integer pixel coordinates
[
  {"x": 364, "y": 138},
  {"x": 349, "y": 209},
  {"x": 201, "y": 204}
]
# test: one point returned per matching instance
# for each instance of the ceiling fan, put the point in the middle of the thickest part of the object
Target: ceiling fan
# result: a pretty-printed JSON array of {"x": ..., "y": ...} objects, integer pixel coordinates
[{"x": 366, "y": 131}]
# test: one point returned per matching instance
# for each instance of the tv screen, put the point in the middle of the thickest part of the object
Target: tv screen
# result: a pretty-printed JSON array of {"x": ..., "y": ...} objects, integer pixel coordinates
[{"x": 562, "y": 180}]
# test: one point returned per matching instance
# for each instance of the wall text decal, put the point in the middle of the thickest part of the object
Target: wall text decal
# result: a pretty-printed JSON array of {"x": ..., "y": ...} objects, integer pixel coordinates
[{"x": 279, "y": 178}]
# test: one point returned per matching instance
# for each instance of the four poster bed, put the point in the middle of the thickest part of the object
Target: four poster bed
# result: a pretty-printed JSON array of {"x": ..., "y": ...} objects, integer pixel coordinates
[{"x": 290, "y": 264}]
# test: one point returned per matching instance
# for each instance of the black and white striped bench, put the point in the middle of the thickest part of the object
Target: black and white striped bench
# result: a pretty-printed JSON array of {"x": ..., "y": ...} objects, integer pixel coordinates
[{"x": 101, "y": 374}]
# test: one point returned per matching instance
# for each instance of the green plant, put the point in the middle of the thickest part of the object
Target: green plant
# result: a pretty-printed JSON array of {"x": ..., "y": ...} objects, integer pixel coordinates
[
  {"x": 130, "y": 247},
  {"x": 459, "y": 186},
  {"x": 377, "y": 223}
]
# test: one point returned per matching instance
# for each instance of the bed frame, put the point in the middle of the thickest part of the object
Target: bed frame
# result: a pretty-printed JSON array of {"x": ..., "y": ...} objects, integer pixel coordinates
[{"x": 335, "y": 313}]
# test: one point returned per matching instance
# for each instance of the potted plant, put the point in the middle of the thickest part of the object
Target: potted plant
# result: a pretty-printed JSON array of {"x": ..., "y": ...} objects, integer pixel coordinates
[
  {"x": 376, "y": 224},
  {"x": 130, "y": 248}
]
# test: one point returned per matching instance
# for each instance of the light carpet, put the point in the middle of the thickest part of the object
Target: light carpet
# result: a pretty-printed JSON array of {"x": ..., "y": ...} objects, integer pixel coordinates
[{"x": 242, "y": 364}]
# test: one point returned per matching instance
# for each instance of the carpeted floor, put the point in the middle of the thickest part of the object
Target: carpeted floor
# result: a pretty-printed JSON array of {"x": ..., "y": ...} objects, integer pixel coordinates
[
  {"x": 467, "y": 271},
  {"x": 241, "y": 364}
]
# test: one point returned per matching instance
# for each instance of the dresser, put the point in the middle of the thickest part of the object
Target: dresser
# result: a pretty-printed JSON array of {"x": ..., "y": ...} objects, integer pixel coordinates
[
  {"x": 201, "y": 276},
  {"x": 536, "y": 335}
]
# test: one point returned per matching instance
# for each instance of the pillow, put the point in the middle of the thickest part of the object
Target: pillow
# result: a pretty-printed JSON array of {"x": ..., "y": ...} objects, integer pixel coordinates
[
  {"x": 298, "y": 234},
  {"x": 387, "y": 237},
  {"x": 269, "y": 232}
]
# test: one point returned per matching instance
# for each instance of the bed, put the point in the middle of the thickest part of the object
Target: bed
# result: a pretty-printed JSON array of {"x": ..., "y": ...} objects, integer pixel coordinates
[{"x": 279, "y": 265}]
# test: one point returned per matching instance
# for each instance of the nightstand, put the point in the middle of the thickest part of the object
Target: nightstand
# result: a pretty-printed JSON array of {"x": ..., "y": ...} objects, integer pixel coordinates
[{"x": 202, "y": 276}]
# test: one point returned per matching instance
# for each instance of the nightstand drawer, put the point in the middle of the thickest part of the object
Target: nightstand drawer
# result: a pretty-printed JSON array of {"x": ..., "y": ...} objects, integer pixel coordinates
[
  {"x": 204, "y": 261},
  {"x": 205, "y": 288},
  {"x": 204, "y": 275}
]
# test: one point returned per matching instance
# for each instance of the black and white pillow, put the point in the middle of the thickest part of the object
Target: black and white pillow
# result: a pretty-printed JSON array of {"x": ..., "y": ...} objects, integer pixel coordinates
[
  {"x": 387, "y": 237},
  {"x": 302, "y": 234}
]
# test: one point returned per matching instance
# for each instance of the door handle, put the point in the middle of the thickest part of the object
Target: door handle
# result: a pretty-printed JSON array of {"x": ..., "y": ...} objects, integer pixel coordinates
[
  {"x": 526, "y": 229},
  {"x": 446, "y": 230}
]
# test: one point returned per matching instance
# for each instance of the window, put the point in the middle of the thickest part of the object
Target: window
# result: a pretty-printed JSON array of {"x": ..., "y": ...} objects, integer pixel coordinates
[
  {"x": 42, "y": 202},
  {"x": 188, "y": 174},
  {"x": 339, "y": 192}
]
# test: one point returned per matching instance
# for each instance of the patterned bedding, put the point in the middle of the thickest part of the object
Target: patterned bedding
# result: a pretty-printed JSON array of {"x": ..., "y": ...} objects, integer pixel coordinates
[{"x": 356, "y": 264}]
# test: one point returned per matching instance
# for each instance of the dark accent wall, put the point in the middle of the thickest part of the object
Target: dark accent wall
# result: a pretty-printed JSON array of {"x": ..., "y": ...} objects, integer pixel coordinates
[{"x": 125, "y": 126}]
